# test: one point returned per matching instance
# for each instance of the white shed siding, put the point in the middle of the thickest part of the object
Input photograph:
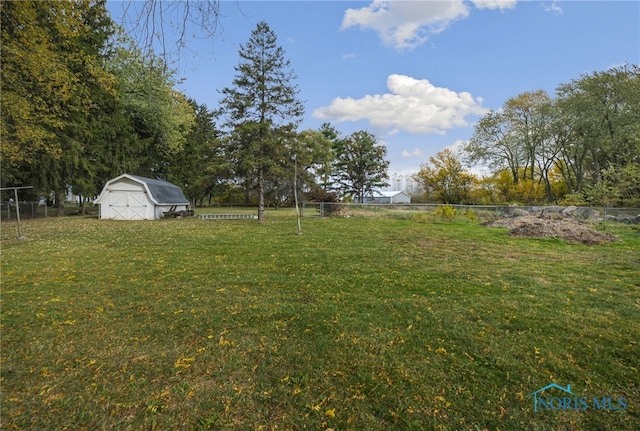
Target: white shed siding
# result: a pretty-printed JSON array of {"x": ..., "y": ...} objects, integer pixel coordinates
[
  {"x": 126, "y": 200},
  {"x": 129, "y": 197},
  {"x": 389, "y": 197},
  {"x": 401, "y": 198},
  {"x": 161, "y": 209}
]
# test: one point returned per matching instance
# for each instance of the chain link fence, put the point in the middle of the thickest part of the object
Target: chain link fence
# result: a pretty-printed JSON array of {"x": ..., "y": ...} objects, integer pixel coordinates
[
  {"x": 35, "y": 209},
  {"x": 28, "y": 209},
  {"x": 41, "y": 209},
  {"x": 591, "y": 214}
]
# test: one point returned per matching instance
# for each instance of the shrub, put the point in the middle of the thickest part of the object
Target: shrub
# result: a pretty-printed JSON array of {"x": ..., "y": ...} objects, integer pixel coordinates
[
  {"x": 471, "y": 215},
  {"x": 330, "y": 201},
  {"x": 445, "y": 212},
  {"x": 420, "y": 217}
]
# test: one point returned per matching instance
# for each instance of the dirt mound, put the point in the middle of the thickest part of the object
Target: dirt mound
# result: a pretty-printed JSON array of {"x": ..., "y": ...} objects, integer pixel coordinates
[{"x": 545, "y": 226}]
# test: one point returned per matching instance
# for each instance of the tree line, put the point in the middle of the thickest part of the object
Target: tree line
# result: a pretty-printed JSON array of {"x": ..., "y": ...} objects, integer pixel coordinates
[
  {"x": 580, "y": 147},
  {"x": 83, "y": 104}
]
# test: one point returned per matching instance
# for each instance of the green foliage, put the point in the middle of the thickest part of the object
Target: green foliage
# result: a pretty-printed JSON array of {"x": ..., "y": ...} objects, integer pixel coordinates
[
  {"x": 493, "y": 145},
  {"x": 80, "y": 106},
  {"x": 313, "y": 151},
  {"x": 318, "y": 194},
  {"x": 420, "y": 217},
  {"x": 518, "y": 141},
  {"x": 445, "y": 212},
  {"x": 529, "y": 192},
  {"x": 331, "y": 135},
  {"x": 569, "y": 144},
  {"x": 262, "y": 111},
  {"x": 154, "y": 119},
  {"x": 624, "y": 183},
  {"x": 359, "y": 166},
  {"x": 471, "y": 215},
  {"x": 576, "y": 199},
  {"x": 199, "y": 167},
  {"x": 55, "y": 91},
  {"x": 445, "y": 179},
  {"x": 618, "y": 187}
]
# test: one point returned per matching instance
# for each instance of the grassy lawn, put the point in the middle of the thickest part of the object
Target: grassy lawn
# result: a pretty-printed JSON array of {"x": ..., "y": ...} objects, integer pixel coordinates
[{"x": 360, "y": 323}]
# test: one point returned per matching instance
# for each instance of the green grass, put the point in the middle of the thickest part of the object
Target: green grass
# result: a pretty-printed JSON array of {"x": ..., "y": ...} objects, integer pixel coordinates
[{"x": 359, "y": 323}]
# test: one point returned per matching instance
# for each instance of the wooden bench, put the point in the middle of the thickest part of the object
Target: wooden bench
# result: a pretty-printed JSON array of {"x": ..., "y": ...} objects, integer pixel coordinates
[{"x": 227, "y": 216}]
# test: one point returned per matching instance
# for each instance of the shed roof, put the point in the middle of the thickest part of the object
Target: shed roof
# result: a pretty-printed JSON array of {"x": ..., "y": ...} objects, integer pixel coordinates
[
  {"x": 163, "y": 192},
  {"x": 390, "y": 193},
  {"x": 160, "y": 192}
]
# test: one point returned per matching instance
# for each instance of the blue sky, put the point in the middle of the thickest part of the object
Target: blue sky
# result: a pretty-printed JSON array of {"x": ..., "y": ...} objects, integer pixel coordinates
[{"x": 417, "y": 74}]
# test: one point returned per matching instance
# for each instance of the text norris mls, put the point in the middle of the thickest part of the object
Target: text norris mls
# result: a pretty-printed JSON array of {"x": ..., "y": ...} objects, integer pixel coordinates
[{"x": 569, "y": 401}]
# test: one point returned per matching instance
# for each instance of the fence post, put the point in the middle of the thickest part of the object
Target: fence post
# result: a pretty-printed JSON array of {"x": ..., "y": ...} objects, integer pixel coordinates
[{"x": 20, "y": 236}]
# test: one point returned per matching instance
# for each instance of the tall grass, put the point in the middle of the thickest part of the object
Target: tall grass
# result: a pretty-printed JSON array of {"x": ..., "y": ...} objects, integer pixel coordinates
[{"x": 386, "y": 323}]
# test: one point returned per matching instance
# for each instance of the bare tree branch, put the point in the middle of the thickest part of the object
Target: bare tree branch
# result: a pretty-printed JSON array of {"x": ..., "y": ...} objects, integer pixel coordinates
[{"x": 168, "y": 26}]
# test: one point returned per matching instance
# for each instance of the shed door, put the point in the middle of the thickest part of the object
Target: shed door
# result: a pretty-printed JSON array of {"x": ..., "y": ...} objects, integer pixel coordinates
[{"x": 127, "y": 205}]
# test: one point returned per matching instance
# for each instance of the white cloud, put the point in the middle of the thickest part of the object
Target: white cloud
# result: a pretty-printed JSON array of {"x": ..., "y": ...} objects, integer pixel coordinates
[
  {"x": 417, "y": 152},
  {"x": 412, "y": 105},
  {"x": 408, "y": 24},
  {"x": 457, "y": 147},
  {"x": 554, "y": 7},
  {"x": 494, "y": 4},
  {"x": 405, "y": 24}
]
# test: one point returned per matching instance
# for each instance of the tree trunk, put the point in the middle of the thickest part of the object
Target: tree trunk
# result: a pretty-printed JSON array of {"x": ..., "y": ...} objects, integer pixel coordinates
[
  {"x": 260, "y": 195},
  {"x": 60, "y": 196}
]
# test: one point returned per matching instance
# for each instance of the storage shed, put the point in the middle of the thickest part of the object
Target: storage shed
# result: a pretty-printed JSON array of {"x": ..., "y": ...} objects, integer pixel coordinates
[
  {"x": 130, "y": 197},
  {"x": 388, "y": 197}
]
